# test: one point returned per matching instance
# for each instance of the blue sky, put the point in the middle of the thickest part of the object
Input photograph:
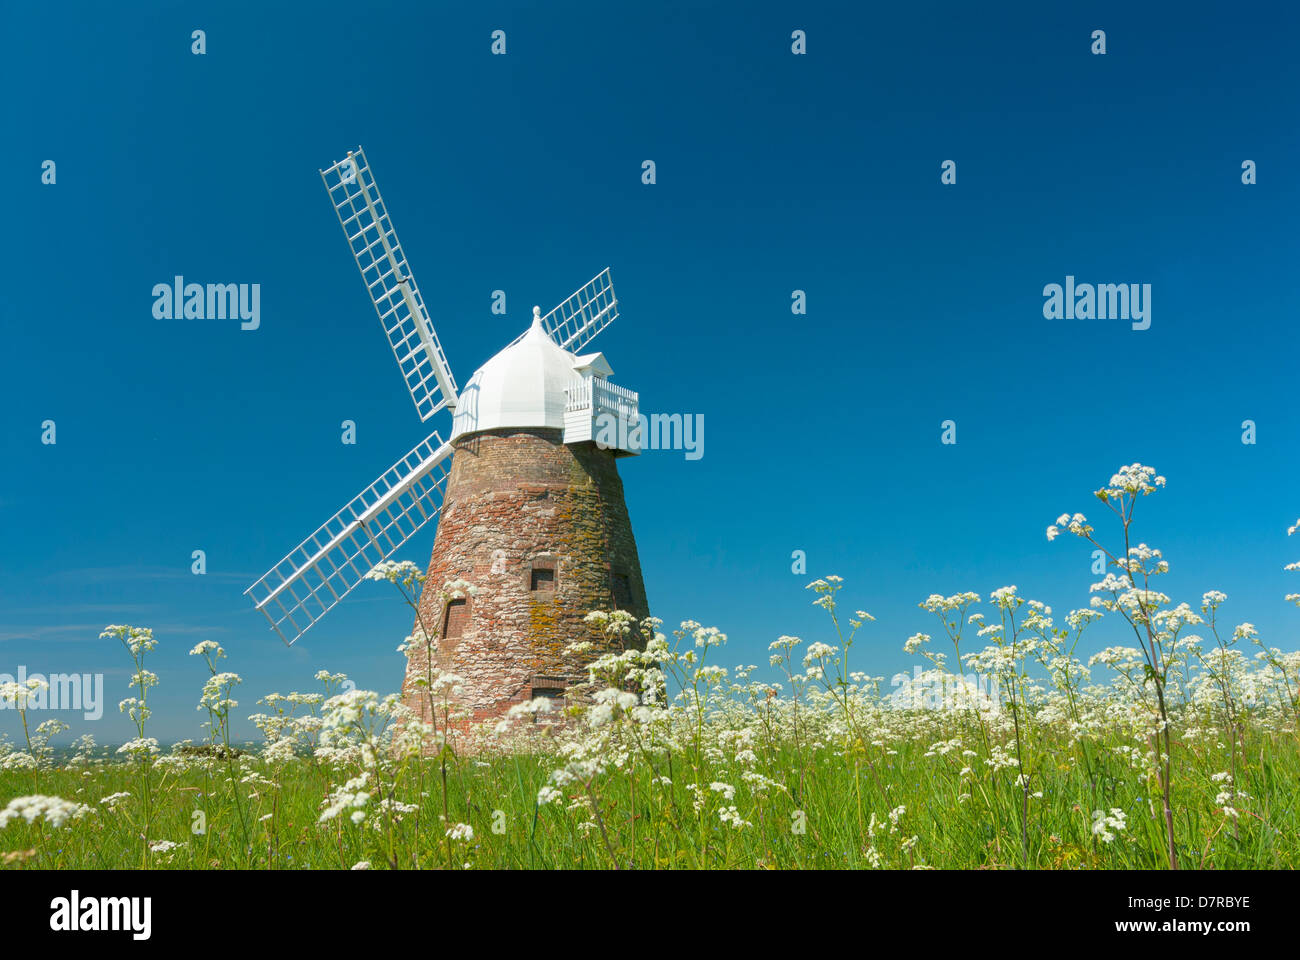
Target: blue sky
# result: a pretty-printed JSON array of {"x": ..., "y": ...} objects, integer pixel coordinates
[{"x": 522, "y": 172}]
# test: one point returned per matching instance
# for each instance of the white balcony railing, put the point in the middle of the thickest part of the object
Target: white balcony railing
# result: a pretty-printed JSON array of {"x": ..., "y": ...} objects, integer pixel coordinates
[
  {"x": 590, "y": 398},
  {"x": 578, "y": 395}
]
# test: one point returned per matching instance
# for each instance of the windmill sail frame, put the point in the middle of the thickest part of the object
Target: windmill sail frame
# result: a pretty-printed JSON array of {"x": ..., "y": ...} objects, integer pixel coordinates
[
  {"x": 329, "y": 564},
  {"x": 363, "y": 215},
  {"x": 575, "y": 321}
]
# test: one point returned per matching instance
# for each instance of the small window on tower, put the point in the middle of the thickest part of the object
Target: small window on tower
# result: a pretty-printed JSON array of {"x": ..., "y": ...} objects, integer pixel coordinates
[
  {"x": 622, "y": 591},
  {"x": 541, "y": 575},
  {"x": 554, "y": 694},
  {"x": 456, "y": 618}
]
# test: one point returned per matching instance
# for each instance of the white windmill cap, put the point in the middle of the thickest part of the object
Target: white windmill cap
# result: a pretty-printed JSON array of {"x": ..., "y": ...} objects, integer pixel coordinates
[{"x": 522, "y": 386}]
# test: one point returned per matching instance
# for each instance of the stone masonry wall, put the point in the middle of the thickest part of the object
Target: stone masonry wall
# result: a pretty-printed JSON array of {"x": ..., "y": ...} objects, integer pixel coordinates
[{"x": 518, "y": 499}]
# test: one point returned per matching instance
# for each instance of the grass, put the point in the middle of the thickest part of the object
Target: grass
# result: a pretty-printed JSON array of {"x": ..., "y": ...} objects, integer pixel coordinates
[
  {"x": 1179, "y": 752},
  {"x": 825, "y": 818}
]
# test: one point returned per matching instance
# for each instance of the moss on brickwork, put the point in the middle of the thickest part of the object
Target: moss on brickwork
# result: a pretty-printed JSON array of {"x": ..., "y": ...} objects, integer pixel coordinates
[{"x": 515, "y": 496}]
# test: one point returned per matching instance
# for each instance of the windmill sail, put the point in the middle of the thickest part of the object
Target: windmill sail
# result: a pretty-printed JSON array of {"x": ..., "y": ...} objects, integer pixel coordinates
[
  {"x": 588, "y": 311},
  {"x": 364, "y": 217},
  {"x": 325, "y": 567}
]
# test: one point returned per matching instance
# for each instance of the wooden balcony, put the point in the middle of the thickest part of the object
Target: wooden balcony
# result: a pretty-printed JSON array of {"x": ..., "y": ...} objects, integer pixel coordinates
[{"x": 598, "y": 410}]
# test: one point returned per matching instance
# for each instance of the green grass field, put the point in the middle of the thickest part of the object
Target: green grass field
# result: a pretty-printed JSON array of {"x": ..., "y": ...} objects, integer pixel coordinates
[
  {"x": 732, "y": 774},
  {"x": 1007, "y": 751},
  {"x": 906, "y": 808},
  {"x": 802, "y": 801}
]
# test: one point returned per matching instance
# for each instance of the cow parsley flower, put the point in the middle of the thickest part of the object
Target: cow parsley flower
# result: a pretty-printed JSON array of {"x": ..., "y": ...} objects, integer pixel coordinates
[
  {"x": 460, "y": 831},
  {"x": 727, "y": 790},
  {"x": 1104, "y": 823},
  {"x": 548, "y": 794},
  {"x": 54, "y": 810},
  {"x": 731, "y": 816},
  {"x": 352, "y": 794}
]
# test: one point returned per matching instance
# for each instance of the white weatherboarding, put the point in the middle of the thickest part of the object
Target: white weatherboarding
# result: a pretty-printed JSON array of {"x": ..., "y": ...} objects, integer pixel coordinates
[{"x": 539, "y": 380}]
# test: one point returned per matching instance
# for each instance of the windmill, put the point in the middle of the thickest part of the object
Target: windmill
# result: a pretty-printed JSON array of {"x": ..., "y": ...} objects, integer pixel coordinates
[{"x": 529, "y": 506}]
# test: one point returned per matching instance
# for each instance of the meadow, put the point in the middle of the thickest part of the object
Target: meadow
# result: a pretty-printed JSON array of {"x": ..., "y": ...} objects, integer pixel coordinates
[{"x": 1175, "y": 750}]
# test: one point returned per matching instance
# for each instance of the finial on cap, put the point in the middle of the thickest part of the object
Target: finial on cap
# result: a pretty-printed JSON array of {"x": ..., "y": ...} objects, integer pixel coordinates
[{"x": 537, "y": 316}]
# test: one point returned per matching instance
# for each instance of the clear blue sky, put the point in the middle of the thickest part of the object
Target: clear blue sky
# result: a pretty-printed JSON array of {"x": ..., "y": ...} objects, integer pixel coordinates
[{"x": 523, "y": 173}]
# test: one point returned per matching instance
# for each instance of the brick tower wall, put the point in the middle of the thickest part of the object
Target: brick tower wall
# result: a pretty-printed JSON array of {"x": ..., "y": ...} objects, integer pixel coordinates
[{"x": 520, "y": 501}]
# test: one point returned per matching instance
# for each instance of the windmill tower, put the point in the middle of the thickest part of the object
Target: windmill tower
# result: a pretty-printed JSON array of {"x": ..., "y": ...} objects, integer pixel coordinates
[{"x": 529, "y": 505}]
